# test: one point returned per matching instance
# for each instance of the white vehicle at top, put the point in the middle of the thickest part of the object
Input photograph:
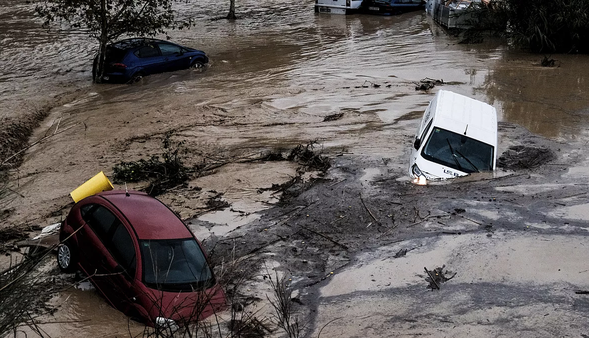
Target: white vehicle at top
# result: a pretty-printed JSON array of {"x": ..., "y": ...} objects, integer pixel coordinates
[
  {"x": 457, "y": 136},
  {"x": 337, "y": 6}
]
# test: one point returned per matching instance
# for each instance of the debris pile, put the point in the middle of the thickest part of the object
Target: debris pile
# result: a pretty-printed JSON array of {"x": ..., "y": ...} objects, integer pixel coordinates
[
  {"x": 437, "y": 276},
  {"x": 524, "y": 157},
  {"x": 427, "y": 84}
]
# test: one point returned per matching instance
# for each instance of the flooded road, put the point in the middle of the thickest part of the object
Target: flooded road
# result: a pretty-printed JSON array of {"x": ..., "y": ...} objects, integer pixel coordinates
[
  {"x": 275, "y": 74},
  {"x": 293, "y": 60}
]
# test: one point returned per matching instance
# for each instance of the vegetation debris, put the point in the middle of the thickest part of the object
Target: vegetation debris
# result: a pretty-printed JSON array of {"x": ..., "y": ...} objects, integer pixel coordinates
[
  {"x": 161, "y": 174},
  {"x": 437, "y": 276},
  {"x": 308, "y": 158},
  {"x": 525, "y": 157},
  {"x": 427, "y": 84},
  {"x": 333, "y": 117}
]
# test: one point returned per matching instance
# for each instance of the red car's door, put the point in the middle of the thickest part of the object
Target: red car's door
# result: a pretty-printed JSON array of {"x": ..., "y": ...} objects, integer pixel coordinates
[{"x": 100, "y": 246}]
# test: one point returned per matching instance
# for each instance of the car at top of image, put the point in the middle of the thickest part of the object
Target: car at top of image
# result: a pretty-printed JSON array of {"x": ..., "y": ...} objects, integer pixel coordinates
[
  {"x": 457, "y": 136},
  {"x": 131, "y": 59},
  {"x": 141, "y": 257}
]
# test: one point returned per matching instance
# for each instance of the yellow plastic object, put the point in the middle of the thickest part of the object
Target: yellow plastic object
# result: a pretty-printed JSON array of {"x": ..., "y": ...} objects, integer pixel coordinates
[{"x": 97, "y": 184}]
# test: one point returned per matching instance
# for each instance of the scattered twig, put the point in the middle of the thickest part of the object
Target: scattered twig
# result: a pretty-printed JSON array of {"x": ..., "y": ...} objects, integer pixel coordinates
[
  {"x": 373, "y": 218},
  {"x": 337, "y": 182},
  {"x": 324, "y": 326},
  {"x": 325, "y": 237},
  {"x": 432, "y": 278}
]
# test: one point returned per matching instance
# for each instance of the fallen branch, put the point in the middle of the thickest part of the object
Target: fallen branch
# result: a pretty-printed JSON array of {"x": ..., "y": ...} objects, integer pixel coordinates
[
  {"x": 325, "y": 237},
  {"x": 373, "y": 218},
  {"x": 432, "y": 278}
]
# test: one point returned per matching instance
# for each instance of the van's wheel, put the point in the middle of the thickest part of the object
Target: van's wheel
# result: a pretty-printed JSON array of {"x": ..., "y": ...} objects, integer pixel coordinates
[{"x": 67, "y": 257}]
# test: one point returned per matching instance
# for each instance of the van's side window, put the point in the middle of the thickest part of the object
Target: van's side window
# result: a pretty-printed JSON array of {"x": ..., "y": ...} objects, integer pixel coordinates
[{"x": 424, "y": 133}]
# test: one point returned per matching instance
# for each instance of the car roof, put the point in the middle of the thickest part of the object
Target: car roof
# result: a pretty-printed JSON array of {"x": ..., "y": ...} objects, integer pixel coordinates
[
  {"x": 464, "y": 115},
  {"x": 149, "y": 217},
  {"x": 136, "y": 42}
]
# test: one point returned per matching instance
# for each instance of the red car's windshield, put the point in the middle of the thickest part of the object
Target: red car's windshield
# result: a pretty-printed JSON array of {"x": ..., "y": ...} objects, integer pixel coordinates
[{"x": 178, "y": 265}]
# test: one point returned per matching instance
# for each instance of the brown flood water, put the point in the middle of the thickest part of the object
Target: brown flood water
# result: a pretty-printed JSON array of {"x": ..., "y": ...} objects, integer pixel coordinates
[{"x": 275, "y": 74}]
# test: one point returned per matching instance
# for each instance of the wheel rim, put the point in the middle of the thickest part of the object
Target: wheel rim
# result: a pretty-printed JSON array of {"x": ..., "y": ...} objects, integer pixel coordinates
[{"x": 64, "y": 256}]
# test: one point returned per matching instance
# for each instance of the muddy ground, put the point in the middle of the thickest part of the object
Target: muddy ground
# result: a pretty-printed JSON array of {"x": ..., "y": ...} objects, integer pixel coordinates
[{"x": 355, "y": 240}]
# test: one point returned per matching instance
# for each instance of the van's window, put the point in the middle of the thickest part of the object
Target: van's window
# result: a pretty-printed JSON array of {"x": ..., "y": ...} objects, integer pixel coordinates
[
  {"x": 458, "y": 151},
  {"x": 424, "y": 133}
]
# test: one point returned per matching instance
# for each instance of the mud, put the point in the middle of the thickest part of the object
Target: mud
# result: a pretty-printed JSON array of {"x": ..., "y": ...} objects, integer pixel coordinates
[{"x": 282, "y": 77}]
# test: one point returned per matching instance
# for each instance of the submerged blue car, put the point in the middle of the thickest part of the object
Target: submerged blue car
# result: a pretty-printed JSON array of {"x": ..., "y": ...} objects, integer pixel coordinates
[{"x": 131, "y": 59}]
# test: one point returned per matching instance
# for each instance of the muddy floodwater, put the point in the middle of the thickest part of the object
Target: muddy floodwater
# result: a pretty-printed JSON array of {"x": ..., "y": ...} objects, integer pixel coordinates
[{"x": 274, "y": 76}]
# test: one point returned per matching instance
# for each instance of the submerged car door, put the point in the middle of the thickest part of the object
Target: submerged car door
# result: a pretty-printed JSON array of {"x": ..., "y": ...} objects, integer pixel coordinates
[
  {"x": 149, "y": 59},
  {"x": 174, "y": 56},
  {"x": 111, "y": 255}
]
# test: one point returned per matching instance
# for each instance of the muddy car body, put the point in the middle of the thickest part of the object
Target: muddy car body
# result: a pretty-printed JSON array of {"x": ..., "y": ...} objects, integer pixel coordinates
[
  {"x": 141, "y": 257},
  {"x": 457, "y": 136}
]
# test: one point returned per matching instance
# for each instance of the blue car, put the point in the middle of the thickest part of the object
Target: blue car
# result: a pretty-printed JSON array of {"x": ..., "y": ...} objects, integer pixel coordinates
[{"x": 130, "y": 60}]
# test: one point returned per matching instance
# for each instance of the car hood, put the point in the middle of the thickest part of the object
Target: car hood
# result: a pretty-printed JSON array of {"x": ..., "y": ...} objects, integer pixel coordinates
[{"x": 183, "y": 307}]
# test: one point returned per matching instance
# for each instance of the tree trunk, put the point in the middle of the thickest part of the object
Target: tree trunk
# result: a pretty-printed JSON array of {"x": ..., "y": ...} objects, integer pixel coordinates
[
  {"x": 98, "y": 69},
  {"x": 231, "y": 15}
]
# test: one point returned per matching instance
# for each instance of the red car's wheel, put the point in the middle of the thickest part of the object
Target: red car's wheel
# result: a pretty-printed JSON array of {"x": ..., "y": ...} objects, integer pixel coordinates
[{"x": 67, "y": 257}]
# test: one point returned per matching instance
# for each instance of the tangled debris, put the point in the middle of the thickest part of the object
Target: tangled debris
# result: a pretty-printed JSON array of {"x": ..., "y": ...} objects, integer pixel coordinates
[
  {"x": 24, "y": 292},
  {"x": 525, "y": 157},
  {"x": 437, "y": 276},
  {"x": 333, "y": 117},
  {"x": 216, "y": 202},
  {"x": 547, "y": 61},
  {"x": 169, "y": 171},
  {"x": 162, "y": 175},
  {"x": 427, "y": 84},
  {"x": 9, "y": 237},
  {"x": 308, "y": 158}
]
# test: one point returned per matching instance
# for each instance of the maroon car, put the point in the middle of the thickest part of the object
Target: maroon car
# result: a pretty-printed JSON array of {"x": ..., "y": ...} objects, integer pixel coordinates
[{"x": 141, "y": 257}]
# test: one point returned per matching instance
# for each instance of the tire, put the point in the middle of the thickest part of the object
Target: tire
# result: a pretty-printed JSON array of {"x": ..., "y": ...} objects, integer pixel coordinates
[
  {"x": 67, "y": 257},
  {"x": 198, "y": 64},
  {"x": 136, "y": 77}
]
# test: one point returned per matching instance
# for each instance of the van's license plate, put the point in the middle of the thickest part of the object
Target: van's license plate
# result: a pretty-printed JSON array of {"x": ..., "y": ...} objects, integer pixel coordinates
[{"x": 373, "y": 8}]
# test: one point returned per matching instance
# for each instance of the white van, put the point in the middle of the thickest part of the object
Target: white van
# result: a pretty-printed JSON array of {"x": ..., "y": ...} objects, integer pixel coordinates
[
  {"x": 457, "y": 136},
  {"x": 337, "y": 6}
]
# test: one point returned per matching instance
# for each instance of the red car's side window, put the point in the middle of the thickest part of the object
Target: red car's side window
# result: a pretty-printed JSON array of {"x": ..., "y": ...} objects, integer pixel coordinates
[
  {"x": 121, "y": 247},
  {"x": 101, "y": 222},
  {"x": 113, "y": 234}
]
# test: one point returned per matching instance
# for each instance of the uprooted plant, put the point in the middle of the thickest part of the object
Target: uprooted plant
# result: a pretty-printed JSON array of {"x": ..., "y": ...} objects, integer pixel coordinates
[
  {"x": 21, "y": 303},
  {"x": 282, "y": 303},
  {"x": 307, "y": 157},
  {"x": 162, "y": 174}
]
